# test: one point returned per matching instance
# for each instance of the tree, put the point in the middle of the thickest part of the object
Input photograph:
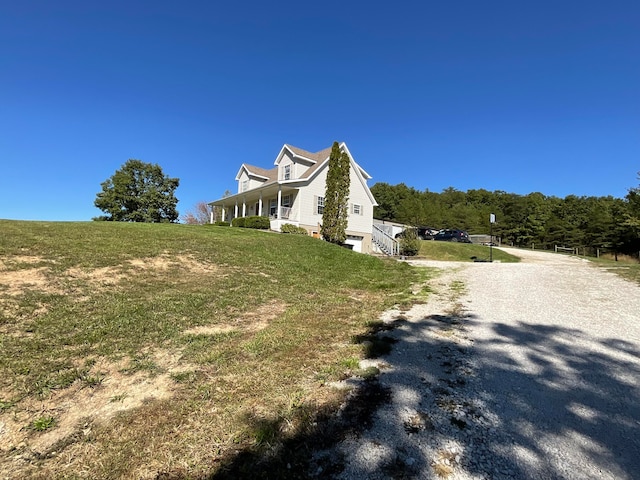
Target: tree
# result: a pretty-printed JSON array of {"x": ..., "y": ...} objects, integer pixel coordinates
[
  {"x": 138, "y": 192},
  {"x": 199, "y": 215},
  {"x": 336, "y": 197}
]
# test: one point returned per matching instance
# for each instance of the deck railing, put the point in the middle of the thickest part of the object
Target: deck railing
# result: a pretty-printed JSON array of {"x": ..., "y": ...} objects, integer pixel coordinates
[{"x": 385, "y": 242}]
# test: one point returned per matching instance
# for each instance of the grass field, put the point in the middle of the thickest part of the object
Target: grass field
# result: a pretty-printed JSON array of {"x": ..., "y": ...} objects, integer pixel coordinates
[
  {"x": 162, "y": 351},
  {"x": 462, "y": 252},
  {"x": 626, "y": 267}
]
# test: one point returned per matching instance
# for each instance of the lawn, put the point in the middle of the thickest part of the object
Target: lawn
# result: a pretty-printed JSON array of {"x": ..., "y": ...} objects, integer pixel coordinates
[
  {"x": 162, "y": 351},
  {"x": 626, "y": 266},
  {"x": 462, "y": 252}
]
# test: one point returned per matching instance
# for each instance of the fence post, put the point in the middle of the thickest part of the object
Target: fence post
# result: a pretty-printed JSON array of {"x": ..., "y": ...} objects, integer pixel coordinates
[{"x": 555, "y": 248}]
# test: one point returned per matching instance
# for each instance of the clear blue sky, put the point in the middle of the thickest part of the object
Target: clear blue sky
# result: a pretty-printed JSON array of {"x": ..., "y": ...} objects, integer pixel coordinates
[{"x": 502, "y": 95}]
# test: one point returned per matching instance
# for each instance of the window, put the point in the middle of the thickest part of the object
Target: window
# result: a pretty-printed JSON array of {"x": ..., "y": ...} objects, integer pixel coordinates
[
  {"x": 356, "y": 209},
  {"x": 245, "y": 185},
  {"x": 273, "y": 207},
  {"x": 286, "y": 200},
  {"x": 287, "y": 172},
  {"x": 320, "y": 206}
]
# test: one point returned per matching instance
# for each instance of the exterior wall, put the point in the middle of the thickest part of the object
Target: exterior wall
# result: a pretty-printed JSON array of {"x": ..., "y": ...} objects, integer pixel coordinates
[
  {"x": 252, "y": 182},
  {"x": 357, "y": 225},
  {"x": 358, "y": 195},
  {"x": 284, "y": 161},
  {"x": 308, "y": 208},
  {"x": 297, "y": 168}
]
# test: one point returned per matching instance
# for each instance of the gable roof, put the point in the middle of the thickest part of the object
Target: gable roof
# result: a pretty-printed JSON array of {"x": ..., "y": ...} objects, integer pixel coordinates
[
  {"x": 298, "y": 152},
  {"x": 317, "y": 161},
  {"x": 253, "y": 171},
  {"x": 361, "y": 174}
]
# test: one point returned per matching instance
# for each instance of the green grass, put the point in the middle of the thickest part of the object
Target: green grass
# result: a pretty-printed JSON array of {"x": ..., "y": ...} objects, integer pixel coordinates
[
  {"x": 462, "y": 252},
  {"x": 626, "y": 267},
  {"x": 238, "y": 327}
]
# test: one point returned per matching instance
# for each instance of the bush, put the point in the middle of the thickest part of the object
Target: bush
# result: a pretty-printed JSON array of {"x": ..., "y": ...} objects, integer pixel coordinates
[
  {"x": 238, "y": 222},
  {"x": 258, "y": 222},
  {"x": 261, "y": 223},
  {"x": 291, "y": 228},
  {"x": 409, "y": 243},
  {"x": 222, "y": 224}
]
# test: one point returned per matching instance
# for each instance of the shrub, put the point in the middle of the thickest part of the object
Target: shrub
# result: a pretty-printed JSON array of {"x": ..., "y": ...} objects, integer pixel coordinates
[
  {"x": 238, "y": 222},
  {"x": 291, "y": 228},
  {"x": 258, "y": 222},
  {"x": 222, "y": 224},
  {"x": 410, "y": 243}
]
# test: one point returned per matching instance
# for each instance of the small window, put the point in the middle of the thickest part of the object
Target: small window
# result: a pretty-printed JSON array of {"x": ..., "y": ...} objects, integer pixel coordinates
[
  {"x": 245, "y": 185},
  {"x": 287, "y": 172},
  {"x": 356, "y": 209},
  {"x": 320, "y": 206},
  {"x": 286, "y": 200}
]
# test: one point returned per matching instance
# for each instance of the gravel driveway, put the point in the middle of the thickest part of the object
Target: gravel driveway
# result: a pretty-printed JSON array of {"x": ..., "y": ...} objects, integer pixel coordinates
[{"x": 528, "y": 371}]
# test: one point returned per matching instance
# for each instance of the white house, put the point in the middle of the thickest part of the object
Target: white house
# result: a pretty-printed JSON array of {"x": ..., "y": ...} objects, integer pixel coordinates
[{"x": 293, "y": 192}]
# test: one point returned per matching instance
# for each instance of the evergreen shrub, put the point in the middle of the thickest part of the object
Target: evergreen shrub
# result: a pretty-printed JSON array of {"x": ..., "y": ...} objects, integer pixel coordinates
[{"x": 291, "y": 228}]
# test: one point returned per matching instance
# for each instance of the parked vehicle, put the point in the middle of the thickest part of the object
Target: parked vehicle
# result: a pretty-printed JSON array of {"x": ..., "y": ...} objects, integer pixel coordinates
[
  {"x": 424, "y": 233},
  {"x": 451, "y": 235}
]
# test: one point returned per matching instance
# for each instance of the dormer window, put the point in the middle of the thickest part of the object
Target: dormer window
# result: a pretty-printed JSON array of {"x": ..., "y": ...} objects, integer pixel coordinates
[{"x": 287, "y": 172}]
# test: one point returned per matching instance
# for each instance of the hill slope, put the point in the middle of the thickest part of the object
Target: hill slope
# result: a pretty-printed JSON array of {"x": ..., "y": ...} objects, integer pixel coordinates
[{"x": 137, "y": 350}]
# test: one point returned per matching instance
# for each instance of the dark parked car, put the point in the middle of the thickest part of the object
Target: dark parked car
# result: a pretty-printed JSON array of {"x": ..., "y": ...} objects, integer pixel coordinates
[
  {"x": 450, "y": 235},
  {"x": 424, "y": 233}
]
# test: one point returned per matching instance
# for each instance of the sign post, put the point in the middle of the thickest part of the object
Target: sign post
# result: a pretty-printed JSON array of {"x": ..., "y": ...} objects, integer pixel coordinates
[{"x": 492, "y": 220}]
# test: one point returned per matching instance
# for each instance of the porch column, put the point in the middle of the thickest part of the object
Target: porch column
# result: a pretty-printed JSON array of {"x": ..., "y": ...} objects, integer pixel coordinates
[
  {"x": 260, "y": 205},
  {"x": 244, "y": 207},
  {"x": 235, "y": 212},
  {"x": 224, "y": 210},
  {"x": 211, "y": 215},
  {"x": 279, "y": 202}
]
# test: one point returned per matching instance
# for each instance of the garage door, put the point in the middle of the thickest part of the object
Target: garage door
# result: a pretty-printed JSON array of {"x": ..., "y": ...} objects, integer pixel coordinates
[{"x": 356, "y": 242}]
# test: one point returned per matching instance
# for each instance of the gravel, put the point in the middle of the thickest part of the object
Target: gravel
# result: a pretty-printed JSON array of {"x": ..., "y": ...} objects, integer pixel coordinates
[{"x": 530, "y": 371}]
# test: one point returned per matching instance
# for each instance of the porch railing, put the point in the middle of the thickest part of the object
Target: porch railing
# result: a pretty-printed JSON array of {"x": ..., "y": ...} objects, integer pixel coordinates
[{"x": 285, "y": 213}]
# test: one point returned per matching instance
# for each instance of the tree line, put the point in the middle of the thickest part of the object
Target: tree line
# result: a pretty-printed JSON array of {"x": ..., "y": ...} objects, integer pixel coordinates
[{"x": 521, "y": 220}]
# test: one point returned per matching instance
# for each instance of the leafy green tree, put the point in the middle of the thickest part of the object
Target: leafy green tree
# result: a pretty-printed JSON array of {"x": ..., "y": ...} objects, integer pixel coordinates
[
  {"x": 387, "y": 198},
  {"x": 336, "y": 197},
  {"x": 138, "y": 192}
]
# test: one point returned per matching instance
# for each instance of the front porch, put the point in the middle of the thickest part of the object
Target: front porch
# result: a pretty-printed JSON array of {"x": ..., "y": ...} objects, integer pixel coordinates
[{"x": 276, "y": 203}]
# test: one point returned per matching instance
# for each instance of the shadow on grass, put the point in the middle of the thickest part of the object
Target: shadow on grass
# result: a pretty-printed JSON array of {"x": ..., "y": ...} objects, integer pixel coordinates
[{"x": 539, "y": 401}]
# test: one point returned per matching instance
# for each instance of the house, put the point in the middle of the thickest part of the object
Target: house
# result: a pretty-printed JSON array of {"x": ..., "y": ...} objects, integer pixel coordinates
[{"x": 293, "y": 192}]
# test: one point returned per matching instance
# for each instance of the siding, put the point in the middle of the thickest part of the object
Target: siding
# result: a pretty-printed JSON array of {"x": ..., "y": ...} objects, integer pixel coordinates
[
  {"x": 252, "y": 183},
  {"x": 357, "y": 194}
]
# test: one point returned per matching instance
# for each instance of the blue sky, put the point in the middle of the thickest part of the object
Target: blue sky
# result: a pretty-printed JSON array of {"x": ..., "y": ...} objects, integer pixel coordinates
[{"x": 502, "y": 95}]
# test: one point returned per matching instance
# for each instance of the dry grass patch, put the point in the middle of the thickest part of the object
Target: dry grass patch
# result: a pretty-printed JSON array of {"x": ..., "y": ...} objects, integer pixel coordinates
[
  {"x": 252, "y": 321},
  {"x": 17, "y": 282},
  {"x": 104, "y": 391}
]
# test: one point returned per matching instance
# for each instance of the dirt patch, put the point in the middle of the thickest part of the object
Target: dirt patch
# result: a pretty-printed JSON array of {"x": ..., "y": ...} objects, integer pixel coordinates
[
  {"x": 165, "y": 262},
  {"x": 253, "y": 321},
  {"x": 17, "y": 282},
  {"x": 97, "y": 276},
  {"x": 106, "y": 390}
]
